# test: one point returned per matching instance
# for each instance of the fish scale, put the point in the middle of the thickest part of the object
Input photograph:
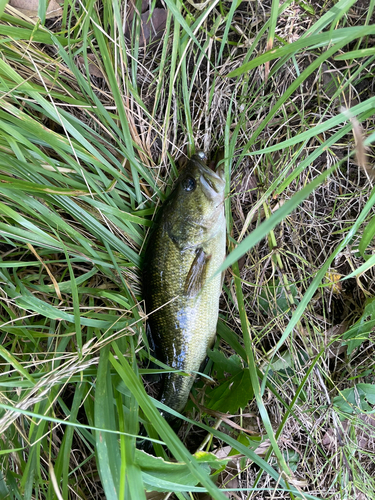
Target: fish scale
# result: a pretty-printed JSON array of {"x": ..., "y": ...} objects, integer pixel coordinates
[{"x": 184, "y": 252}]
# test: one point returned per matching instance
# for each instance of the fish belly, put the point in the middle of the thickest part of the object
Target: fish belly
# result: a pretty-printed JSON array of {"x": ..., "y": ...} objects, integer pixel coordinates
[{"x": 183, "y": 327}]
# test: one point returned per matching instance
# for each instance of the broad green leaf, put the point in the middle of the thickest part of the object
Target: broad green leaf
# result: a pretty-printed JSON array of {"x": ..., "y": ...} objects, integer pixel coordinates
[
  {"x": 356, "y": 400},
  {"x": 223, "y": 364},
  {"x": 236, "y": 392},
  {"x": 178, "y": 475}
]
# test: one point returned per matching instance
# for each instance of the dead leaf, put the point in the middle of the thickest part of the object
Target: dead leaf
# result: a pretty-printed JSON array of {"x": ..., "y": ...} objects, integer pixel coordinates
[
  {"x": 50, "y": 274},
  {"x": 232, "y": 482},
  {"x": 246, "y": 182},
  {"x": 366, "y": 432},
  {"x": 131, "y": 8},
  {"x": 332, "y": 279},
  {"x": 93, "y": 68},
  {"x": 359, "y": 139},
  {"x": 361, "y": 496},
  {"x": 298, "y": 483},
  {"x": 267, "y": 64},
  {"x": 223, "y": 452},
  {"x": 329, "y": 441},
  {"x": 336, "y": 348},
  {"x": 199, "y": 5},
  {"x": 155, "y": 495},
  {"x": 229, "y": 476},
  {"x": 332, "y": 81},
  {"x": 152, "y": 28},
  {"x": 360, "y": 148},
  {"x": 29, "y": 8},
  {"x": 263, "y": 448}
]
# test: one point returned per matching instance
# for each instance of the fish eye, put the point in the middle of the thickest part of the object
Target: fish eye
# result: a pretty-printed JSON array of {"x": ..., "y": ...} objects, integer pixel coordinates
[{"x": 189, "y": 184}]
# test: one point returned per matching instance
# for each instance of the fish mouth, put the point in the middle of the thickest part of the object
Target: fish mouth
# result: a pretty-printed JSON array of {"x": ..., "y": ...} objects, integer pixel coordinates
[
  {"x": 212, "y": 182},
  {"x": 221, "y": 172},
  {"x": 201, "y": 158}
]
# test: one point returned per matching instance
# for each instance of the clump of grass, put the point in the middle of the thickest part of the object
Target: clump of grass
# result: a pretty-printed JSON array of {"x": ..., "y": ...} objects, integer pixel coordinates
[{"x": 86, "y": 160}]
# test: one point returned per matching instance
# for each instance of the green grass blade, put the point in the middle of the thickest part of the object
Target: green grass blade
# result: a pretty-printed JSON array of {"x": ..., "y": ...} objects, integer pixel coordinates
[{"x": 261, "y": 231}]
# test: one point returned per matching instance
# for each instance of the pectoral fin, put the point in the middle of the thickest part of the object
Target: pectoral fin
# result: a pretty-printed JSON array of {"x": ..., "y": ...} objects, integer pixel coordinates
[{"x": 197, "y": 273}]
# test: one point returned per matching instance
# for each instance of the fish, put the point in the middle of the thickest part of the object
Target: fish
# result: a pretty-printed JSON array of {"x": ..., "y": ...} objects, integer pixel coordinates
[{"x": 181, "y": 284}]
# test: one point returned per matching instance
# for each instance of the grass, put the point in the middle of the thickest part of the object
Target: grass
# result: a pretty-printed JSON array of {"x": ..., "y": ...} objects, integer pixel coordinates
[{"x": 285, "y": 407}]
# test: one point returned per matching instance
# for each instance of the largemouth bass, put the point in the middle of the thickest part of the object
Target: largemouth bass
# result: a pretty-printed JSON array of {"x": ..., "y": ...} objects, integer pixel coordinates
[{"x": 183, "y": 254}]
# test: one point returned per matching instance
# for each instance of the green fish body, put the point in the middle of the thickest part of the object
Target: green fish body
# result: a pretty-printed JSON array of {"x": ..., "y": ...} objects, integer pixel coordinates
[{"x": 181, "y": 286}]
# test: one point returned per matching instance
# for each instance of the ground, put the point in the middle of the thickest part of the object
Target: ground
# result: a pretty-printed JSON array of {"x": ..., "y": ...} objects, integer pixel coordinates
[{"x": 95, "y": 127}]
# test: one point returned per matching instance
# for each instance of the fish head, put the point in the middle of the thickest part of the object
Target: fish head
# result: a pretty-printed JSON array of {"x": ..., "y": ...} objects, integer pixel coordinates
[
  {"x": 199, "y": 185},
  {"x": 198, "y": 201}
]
